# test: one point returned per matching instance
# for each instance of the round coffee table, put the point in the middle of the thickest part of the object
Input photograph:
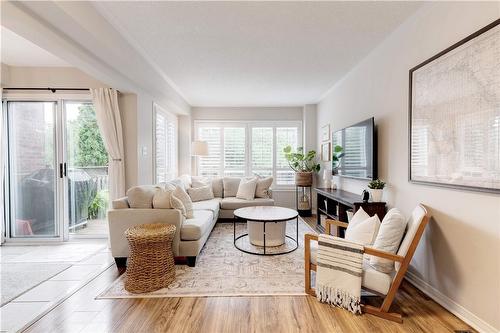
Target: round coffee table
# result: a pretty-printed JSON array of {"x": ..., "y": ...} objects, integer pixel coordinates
[{"x": 264, "y": 215}]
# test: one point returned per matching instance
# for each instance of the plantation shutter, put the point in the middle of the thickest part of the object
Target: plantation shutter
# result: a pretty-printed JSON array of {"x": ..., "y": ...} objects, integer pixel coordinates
[
  {"x": 165, "y": 145},
  {"x": 234, "y": 151},
  {"x": 285, "y": 136},
  {"x": 210, "y": 166},
  {"x": 160, "y": 144},
  {"x": 262, "y": 151}
]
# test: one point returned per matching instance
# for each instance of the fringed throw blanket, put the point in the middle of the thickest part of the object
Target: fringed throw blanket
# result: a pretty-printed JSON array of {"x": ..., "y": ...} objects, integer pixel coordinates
[{"x": 338, "y": 274}]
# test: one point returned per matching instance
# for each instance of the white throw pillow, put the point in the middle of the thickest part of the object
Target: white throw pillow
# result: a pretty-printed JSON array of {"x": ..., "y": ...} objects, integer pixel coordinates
[
  {"x": 231, "y": 185},
  {"x": 201, "y": 193},
  {"x": 363, "y": 232},
  {"x": 197, "y": 181},
  {"x": 218, "y": 187},
  {"x": 141, "y": 196},
  {"x": 388, "y": 239},
  {"x": 177, "y": 204},
  {"x": 246, "y": 189},
  {"x": 359, "y": 217},
  {"x": 263, "y": 185},
  {"x": 181, "y": 194},
  {"x": 161, "y": 199}
]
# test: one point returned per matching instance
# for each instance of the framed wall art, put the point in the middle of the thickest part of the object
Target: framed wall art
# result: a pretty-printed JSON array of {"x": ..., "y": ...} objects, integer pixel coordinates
[
  {"x": 454, "y": 115},
  {"x": 326, "y": 151},
  {"x": 325, "y": 133}
]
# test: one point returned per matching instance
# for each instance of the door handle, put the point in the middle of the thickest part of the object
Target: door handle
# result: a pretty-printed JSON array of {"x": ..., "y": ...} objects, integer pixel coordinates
[
  {"x": 61, "y": 172},
  {"x": 65, "y": 170}
]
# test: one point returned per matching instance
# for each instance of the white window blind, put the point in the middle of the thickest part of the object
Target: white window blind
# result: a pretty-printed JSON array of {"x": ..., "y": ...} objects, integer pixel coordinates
[
  {"x": 248, "y": 149},
  {"x": 165, "y": 139}
]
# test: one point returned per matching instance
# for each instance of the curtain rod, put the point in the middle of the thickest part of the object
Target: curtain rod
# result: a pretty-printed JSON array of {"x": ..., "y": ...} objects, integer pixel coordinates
[{"x": 51, "y": 89}]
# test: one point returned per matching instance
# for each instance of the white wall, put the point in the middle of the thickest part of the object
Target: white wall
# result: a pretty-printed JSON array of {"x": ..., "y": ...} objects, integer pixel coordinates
[
  {"x": 457, "y": 261},
  {"x": 285, "y": 198}
]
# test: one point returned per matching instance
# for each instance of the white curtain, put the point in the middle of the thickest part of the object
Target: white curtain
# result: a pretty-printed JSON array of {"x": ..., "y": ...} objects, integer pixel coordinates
[{"x": 109, "y": 122}]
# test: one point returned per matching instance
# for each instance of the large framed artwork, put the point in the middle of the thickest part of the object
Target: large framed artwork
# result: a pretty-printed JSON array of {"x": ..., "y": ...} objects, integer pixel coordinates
[{"x": 454, "y": 115}]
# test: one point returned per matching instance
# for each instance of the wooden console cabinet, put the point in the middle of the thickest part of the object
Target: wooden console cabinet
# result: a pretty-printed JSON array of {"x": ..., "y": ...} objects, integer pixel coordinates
[{"x": 335, "y": 204}]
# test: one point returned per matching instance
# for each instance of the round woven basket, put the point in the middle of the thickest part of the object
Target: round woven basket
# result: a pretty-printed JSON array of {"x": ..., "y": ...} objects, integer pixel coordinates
[
  {"x": 303, "y": 178},
  {"x": 151, "y": 263}
]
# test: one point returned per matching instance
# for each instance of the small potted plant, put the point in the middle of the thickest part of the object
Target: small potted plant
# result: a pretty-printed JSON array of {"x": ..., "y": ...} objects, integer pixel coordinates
[
  {"x": 304, "y": 165},
  {"x": 376, "y": 187}
]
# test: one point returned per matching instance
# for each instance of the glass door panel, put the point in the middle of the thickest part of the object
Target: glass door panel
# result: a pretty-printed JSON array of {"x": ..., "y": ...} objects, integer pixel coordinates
[
  {"x": 33, "y": 175},
  {"x": 87, "y": 171}
]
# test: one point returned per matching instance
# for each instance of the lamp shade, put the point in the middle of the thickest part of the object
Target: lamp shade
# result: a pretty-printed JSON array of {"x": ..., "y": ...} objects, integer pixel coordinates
[
  {"x": 326, "y": 174},
  {"x": 199, "y": 148}
]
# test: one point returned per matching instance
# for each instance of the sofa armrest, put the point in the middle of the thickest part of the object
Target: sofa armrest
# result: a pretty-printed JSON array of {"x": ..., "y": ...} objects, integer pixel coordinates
[
  {"x": 120, "y": 220},
  {"x": 120, "y": 203}
]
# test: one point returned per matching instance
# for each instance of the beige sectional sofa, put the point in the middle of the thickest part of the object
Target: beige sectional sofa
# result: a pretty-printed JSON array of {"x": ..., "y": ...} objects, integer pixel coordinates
[{"x": 191, "y": 233}]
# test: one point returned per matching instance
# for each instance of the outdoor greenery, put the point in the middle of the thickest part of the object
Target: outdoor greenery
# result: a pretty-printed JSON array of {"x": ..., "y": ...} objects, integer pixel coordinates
[
  {"x": 99, "y": 204},
  {"x": 376, "y": 184},
  {"x": 337, "y": 154},
  {"x": 300, "y": 161}
]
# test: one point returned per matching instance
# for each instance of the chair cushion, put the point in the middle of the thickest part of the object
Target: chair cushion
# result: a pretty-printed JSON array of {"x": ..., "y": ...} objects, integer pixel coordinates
[
  {"x": 195, "y": 228},
  {"x": 388, "y": 239},
  {"x": 371, "y": 279},
  {"x": 231, "y": 185},
  {"x": 200, "y": 193},
  {"x": 141, "y": 196},
  {"x": 362, "y": 228},
  {"x": 235, "y": 203},
  {"x": 212, "y": 205},
  {"x": 416, "y": 218},
  {"x": 246, "y": 189}
]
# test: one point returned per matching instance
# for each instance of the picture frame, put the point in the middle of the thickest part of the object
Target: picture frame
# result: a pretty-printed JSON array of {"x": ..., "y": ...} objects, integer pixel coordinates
[
  {"x": 325, "y": 133},
  {"x": 326, "y": 151},
  {"x": 453, "y": 125}
]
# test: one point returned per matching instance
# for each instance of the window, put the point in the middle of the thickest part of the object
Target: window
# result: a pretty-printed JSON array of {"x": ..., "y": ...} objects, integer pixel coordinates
[
  {"x": 165, "y": 145},
  {"x": 248, "y": 148}
]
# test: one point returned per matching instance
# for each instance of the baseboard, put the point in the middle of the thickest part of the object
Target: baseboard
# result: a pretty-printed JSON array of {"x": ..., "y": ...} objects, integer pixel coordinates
[{"x": 450, "y": 305}]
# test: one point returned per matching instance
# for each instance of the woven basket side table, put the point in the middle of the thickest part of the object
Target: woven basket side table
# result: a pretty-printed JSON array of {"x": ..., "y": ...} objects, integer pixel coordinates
[{"x": 151, "y": 263}]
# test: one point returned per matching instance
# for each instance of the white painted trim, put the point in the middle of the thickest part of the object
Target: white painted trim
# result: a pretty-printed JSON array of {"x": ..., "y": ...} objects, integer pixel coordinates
[{"x": 450, "y": 305}]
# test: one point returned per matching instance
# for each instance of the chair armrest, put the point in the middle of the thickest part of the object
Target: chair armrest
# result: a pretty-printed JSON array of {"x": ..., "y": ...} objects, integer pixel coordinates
[
  {"x": 383, "y": 254},
  {"x": 336, "y": 223}
]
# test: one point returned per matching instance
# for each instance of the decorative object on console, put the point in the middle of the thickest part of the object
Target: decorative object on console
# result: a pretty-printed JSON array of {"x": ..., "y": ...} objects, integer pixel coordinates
[
  {"x": 325, "y": 133},
  {"x": 304, "y": 164},
  {"x": 365, "y": 196},
  {"x": 453, "y": 111},
  {"x": 376, "y": 187},
  {"x": 326, "y": 178},
  {"x": 325, "y": 151}
]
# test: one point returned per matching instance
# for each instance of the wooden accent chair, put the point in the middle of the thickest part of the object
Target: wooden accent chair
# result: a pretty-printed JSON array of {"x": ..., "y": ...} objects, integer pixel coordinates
[{"x": 376, "y": 282}]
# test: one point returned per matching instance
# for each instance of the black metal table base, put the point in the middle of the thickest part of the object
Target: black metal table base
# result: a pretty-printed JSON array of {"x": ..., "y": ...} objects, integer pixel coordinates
[{"x": 264, "y": 247}]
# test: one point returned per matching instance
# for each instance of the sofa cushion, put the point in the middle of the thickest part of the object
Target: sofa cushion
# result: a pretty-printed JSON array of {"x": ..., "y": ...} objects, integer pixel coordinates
[
  {"x": 194, "y": 228},
  {"x": 199, "y": 181},
  {"x": 263, "y": 185},
  {"x": 212, "y": 205},
  {"x": 218, "y": 187},
  {"x": 235, "y": 203},
  {"x": 182, "y": 195},
  {"x": 162, "y": 197},
  {"x": 246, "y": 189},
  {"x": 141, "y": 196},
  {"x": 200, "y": 193},
  {"x": 121, "y": 203},
  {"x": 231, "y": 185},
  {"x": 371, "y": 279}
]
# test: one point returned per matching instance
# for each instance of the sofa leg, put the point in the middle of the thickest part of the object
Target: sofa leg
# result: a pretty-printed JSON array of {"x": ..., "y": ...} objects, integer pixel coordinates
[
  {"x": 191, "y": 261},
  {"x": 121, "y": 262}
]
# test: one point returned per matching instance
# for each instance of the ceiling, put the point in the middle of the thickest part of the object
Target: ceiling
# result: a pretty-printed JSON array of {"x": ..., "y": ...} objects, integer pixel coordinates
[
  {"x": 254, "y": 53},
  {"x": 17, "y": 51}
]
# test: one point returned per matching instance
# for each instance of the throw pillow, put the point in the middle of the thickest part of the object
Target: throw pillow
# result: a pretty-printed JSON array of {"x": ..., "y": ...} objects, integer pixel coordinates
[
  {"x": 197, "y": 181},
  {"x": 246, "y": 189},
  {"x": 388, "y": 239},
  {"x": 181, "y": 194},
  {"x": 186, "y": 181},
  {"x": 231, "y": 185},
  {"x": 262, "y": 188},
  {"x": 200, "y": 193},
  {"x": 177, "y": 204},
  {"x": 218, "y": 187},
  {"x": 141, "y": 196},
  {"x": 363, "y": 232},
  {"x": 161, "y": 199}
]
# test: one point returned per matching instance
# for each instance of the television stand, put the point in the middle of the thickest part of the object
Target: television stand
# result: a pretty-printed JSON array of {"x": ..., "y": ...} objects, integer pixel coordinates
[{"x": 334, "y": 204}]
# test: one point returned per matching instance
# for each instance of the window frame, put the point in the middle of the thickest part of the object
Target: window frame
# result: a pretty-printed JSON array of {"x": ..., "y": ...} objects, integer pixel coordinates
[
  {"x": 172, "y": 118},
  {"x": 248, "y": 125}
]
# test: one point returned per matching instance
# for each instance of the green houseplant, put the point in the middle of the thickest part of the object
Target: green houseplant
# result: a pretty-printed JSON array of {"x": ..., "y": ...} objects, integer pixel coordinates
[
  {"x": 304, "y": 164},
  {"x": 376, "y": 187},
  {"x": 337, "y": 154}
]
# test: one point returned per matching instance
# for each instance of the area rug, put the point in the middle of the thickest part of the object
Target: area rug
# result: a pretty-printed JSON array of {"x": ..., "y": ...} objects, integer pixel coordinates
[
  {"x": 17, "y": 278},
  {"x": 223, "y": 270}
]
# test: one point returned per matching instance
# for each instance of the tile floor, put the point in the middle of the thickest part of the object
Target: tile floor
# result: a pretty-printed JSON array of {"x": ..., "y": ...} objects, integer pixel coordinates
[{"x": 88, "y": 258}]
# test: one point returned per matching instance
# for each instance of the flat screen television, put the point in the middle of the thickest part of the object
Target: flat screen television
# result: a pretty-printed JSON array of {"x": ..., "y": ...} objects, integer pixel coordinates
[{"x": 360, "y": 150}]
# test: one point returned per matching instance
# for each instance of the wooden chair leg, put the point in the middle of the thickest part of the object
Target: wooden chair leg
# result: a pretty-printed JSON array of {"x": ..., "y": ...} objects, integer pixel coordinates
[{"x": 396, "y": 317}]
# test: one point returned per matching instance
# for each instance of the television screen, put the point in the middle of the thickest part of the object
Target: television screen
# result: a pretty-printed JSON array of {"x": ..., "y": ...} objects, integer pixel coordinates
[{"x": 359, "y": 148}]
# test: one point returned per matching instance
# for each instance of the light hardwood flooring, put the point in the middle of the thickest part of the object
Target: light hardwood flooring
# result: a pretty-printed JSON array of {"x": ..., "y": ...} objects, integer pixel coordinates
[{"x": 82, "y": 313}]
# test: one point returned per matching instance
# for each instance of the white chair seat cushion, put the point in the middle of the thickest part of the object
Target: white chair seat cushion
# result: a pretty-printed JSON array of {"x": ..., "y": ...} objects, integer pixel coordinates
[
  {"x": 235, "y": 203},
  {"x": 193, "y": 229},
  {"x": 371, "y": 279},
  {"x": 212, "y": 205}
]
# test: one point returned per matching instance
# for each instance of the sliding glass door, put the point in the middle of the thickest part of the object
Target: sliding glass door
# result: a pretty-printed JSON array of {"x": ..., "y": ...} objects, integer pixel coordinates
[
  {"x": 32, "y": 174},
  {"x": 57, "y": 176}
]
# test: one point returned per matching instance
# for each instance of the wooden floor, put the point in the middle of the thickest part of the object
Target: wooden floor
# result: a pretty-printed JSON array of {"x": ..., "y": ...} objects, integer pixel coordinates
[{"x": 82, "y": 313}]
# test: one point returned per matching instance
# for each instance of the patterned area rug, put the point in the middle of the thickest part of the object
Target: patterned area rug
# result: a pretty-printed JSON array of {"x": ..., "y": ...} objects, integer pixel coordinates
[{"x": 222, "y": 270}]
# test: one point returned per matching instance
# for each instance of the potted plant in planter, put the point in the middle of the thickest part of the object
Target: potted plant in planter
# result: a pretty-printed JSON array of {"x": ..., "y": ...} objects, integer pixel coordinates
[
  {"x": 337, "y": 154},
  {"x": 304, "y": 165},
  {"x": 376, "y": 187}
]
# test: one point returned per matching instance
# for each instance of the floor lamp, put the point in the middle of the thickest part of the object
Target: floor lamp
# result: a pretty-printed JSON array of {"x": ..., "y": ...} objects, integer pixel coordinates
[{"x": 199, "y": 148}]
